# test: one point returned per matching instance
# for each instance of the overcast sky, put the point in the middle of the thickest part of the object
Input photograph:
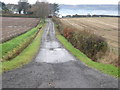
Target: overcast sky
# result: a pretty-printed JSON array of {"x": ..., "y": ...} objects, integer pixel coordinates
[{"x": 72, "y": 2}]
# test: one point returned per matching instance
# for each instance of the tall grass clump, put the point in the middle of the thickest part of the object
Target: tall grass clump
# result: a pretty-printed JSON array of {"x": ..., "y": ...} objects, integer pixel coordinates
[{"x": 92, "y": 45}]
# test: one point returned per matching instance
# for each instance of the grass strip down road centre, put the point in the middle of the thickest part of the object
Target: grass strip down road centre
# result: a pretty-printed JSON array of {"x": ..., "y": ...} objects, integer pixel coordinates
[
  {"x": 105, "y": 68},
  {"x": 25, "y": 57}
]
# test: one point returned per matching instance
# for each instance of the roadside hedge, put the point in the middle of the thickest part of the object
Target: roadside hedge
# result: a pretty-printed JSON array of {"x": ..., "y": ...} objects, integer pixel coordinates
[{"x": 92, "y": 45}]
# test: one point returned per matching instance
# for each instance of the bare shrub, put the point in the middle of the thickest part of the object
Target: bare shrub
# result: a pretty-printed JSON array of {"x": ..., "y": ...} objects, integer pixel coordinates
[{"x": 92, "y": 45}]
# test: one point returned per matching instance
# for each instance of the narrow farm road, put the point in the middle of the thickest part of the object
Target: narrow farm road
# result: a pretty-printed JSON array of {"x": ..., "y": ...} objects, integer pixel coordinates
[{"x": 55, "y": 67}]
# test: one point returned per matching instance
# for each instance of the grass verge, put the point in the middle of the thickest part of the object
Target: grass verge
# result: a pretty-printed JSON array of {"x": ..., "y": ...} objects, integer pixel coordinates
[
  {"x": 15, "y": 46},
  {"x": 105, "y": 68},
  {"x": 25, "y": 57}
]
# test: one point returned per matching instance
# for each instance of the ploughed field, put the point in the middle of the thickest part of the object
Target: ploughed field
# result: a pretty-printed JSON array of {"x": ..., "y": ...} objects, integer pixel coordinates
[
  {"x": 12, "y": 27},
  {"x": 106, "y": 27}
]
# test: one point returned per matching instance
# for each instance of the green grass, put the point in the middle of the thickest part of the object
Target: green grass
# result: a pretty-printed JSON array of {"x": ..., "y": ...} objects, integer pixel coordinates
[
  {"x": 105, "y": 68},
  {"x": 25, "y": 57},
  {"x": 13, "y": 45}
]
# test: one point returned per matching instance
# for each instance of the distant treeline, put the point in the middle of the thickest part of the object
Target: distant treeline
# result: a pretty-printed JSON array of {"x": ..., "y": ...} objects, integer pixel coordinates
[
  {"x": 18, "y": 15},
  {"x": 72, "y": 16},
  {"x": 24, "y": 9}
]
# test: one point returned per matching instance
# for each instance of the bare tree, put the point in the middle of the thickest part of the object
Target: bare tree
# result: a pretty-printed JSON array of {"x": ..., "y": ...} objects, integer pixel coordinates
[
  {"x": 55, "y": 9},
  {"x": 4, "y": 7},
  {"x": 41, "y": 9},
  {"x": 23, "y": 5}
]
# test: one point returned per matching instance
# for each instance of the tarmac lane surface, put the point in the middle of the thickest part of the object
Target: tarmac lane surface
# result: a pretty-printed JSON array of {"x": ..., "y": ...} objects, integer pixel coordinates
[{"x": 55, "y": 67}]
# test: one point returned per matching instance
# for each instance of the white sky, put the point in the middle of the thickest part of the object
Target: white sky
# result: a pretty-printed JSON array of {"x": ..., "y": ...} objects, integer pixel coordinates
[{"x": 73, "y": 2}]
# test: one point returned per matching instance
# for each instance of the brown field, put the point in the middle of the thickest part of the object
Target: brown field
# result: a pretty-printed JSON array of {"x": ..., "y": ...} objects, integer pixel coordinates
[
  {"x": 106, "y": 27},
  {"x": 103, "y": 26},
  {"x": 12, "y": 27}
]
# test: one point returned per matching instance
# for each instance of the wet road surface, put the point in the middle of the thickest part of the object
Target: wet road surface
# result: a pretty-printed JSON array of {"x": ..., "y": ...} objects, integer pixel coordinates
[
  {"x": 55, "y": 67},
  {"x": 51, "y": 50}
]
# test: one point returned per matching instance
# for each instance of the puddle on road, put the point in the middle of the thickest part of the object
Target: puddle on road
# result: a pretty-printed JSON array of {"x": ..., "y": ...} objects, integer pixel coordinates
[
  {"x": 51, "y": 44},
  {"x": 52, "y": 52}
]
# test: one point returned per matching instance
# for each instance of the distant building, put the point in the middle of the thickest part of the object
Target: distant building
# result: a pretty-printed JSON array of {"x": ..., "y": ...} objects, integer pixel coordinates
[
  {"x": 13, "y": 8},
  {"x": 23, "y": 5},
  {"x": 23, "y": 1}
]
